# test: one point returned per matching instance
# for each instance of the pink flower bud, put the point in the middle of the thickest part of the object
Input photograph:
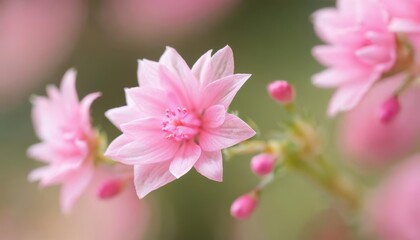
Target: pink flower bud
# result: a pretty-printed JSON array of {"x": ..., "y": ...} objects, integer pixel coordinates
[
  {"x": 389, "y": 109},
  {"x": 263, "y": 164},
  {"x": 110, "y": 188},
  {"x": 243, "y": 207},
  {"x": 281, "y": 91}
]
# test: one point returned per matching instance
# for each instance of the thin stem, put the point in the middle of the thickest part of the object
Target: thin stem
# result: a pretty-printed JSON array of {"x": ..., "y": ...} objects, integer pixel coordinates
[
  {"x": 407, "y": 83},
  {"x": 334, "y": 183}
]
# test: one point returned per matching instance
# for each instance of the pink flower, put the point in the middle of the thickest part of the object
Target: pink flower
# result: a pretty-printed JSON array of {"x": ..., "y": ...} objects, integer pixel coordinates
[
  {"x": 178, "y": 119},
  {"x": 405, "y": 18},
  {"x": 394, "y": 210},
  {"x": 68, "y": 140},
  {"x": 243, "y": 207},
  {"x": 359, "y": 50},
  {"x": 371, "y": 142}
]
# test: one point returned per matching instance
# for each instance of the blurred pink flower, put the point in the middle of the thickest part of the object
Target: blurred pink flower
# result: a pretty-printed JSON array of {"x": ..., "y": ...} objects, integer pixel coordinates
[
  {"x": 371, "y": 142},
  {"x": 158, "y": 19},
  {"x": 405, "y": 18},
  {"x": 122, "y": 217},
  {"x": 360, "y": 49},
  {"x": 394, "y": 210},
  {"x": 68, "y": 141},
  {"x": 177, "y": 119},
  {"x": 35, "y": 38}
]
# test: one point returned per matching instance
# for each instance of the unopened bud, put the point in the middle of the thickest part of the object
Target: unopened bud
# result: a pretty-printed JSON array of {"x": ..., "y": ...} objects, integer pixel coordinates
[
  {"x": 243, "y": 207},
  {"x": 263, "y": 164},
  {"x": 281, "y": 91},
  {"x": 389, "y": 110},
  {"x": 110, "y": 188}
]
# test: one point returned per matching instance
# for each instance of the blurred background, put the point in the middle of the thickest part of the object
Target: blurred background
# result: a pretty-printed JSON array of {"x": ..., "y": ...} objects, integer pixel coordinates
[{"x": 102, "y": 39}]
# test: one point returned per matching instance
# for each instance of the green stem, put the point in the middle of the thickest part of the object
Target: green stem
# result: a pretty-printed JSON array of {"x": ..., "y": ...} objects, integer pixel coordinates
[{"x": 332, "y": 182}]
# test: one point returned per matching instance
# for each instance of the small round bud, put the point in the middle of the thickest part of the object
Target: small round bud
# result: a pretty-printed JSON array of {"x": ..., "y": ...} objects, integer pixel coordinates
[
  {"x": 281, "y": 91},
  {"x": 110, "y": 188},
  {"x": 389, "y": 110},
  {"x": 243, "y": 207},
  {"x": 263, "y": 164}
]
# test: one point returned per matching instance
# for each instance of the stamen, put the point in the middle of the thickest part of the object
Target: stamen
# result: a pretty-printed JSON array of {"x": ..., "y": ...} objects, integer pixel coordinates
[{"x": 180, "y": 124}]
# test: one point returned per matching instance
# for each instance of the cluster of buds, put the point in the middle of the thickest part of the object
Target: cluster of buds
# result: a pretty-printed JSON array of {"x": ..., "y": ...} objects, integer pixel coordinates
[{"x": 298, "y": 150}]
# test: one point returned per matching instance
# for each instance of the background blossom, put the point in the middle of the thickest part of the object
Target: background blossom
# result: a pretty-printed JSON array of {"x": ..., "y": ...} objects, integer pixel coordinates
[
  {"x": 68, "y": 144},
  {"x": 370, "y": 142},
  {"x": 394, "y": 209},
  {"x": 359, "y": 50}
]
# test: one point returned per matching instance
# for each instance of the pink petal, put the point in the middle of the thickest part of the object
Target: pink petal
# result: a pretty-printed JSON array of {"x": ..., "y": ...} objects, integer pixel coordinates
[
  {"x": 404, "y": 8},
  {"x": 348, "y": 96},
  {"x": 122, "y": 115},
  {"x": 147, "y": 143},
  {"x": 187, "y": 155},
  {"x": 208, "y": 69},
  {"x": 85, "y": 105},
  {"x": 404, "y": 25},
  {"x": 184, "y": 76},
  {"x": 54, "y": 174},
  {"x": 142, "y": 152},
  {"x": 214, "y": 116},
  {"x": 210, "y": 165},
  {"x": 150, "y": 177},
  {"x": 327, "y": 21},
  {"x": 54, "y": 94},
  {"x": 68, "y": 87},
  {"x": 374, "y": 54},
  {"x": 41, "y": 151},
  {"x": 335, "y": 77},
  {"x": 231, "y": 132},
  {"x": 222, "y": 91},
  {"x": 334, "y": 55},
  {"x": 202, "y": 68},
  {"x": 176, "y": 64},
  {"x": 177, "y": 89},
  {"x": 349, "y": 8},
  {"x": 148, "y": 73},
  {"x": 222, "y": 63},
  {"x": 150, "y": 102},
  {"x": 44, "y": 118},
  {"x": 145, "y": 127},
  {"x": 115, "y": 146},
  {"x": 74, "y": 186},
  {"x": 40, "y": 173}
]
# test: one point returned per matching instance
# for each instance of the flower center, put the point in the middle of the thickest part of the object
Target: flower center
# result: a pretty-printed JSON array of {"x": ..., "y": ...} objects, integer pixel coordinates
[{"x": 181, "y": 124}]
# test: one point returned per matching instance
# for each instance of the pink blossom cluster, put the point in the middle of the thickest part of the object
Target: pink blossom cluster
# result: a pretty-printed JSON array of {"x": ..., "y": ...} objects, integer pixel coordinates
[
  {"x": 366, "y": 41},
  {"x": 176, "y": 120},
  {"x": 372, "y": 55}
]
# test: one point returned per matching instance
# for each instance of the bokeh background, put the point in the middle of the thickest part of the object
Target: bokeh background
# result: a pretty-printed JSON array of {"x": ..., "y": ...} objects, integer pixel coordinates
[{"x": 102, "y": 39}]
